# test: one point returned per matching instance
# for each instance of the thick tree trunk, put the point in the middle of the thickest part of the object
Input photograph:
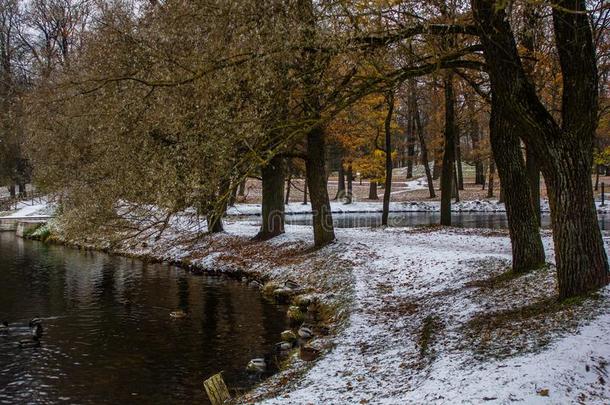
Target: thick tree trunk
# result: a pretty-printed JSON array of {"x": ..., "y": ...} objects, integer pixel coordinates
[
  {"x": 305, "y": 187},
  {"x": 12, "y": 191},
  {"x": 273, "y": 199},
  {"x": 341, "y": 185},
  {"x": 490, "y": 181},
  {"x": 533, "y": 177},
  {"x": 323, "y": 229},
  {"x": 388, "y": 160},
  {"x": 373, "y": 191},
  {"x": 349, "y": 196},
  {"x": 581, "y": 258},
  {"x": 527, "y": 248},
  {"x": 215, "y": 222},
  {"x": 242, "y": 188},
  {"x": 22, "y": 190},
  {"x": 447, "y": 174},
  {"x": 582, "y": 265}
]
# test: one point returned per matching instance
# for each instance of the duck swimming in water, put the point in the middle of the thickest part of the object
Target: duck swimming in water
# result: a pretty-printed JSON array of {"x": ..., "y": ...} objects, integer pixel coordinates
[
  {"x": 4, "y": 327},
  {"x": 36, "y": 328},
  {"x": 37, "y": 331}
]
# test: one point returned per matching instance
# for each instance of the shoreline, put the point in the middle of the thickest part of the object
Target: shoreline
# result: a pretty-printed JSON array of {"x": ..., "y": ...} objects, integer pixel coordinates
[{"x": 431, "y": 306}]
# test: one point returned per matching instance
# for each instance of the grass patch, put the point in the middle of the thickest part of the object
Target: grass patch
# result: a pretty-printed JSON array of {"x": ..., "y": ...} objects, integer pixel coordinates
[
  {"x": 430, "y": 327},
  {"x": 528, "y": 328},
  {"x": 500, "y": 280}
]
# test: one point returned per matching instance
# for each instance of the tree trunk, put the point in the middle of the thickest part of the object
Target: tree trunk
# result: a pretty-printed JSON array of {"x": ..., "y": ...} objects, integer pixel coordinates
[
  {"x": 388, "y": 160},
  {"x": 527, "y": 248},
  {"x": 323, "y": 229},
  {"x": 288, "y": 185},
  {"x": 341, "y": 185},
  {"x": 411, "y": 140},
  {"x": 437, "y": 165},
  {"x": 449, "y": 152},
  {"x": 233, "y": 197},
  {"x": 349, "y": 195},
  {"x": 596, "y": 177},
  {"x": 490, "y": 181},
  {"x": 533, "y": 177},
  {"x": 456, "y": 192},
  {"x": 458, "y": 163},
  {"x": 12, "y": 191},
  {"x": 22, "y": 190},
  {"x": 242, "y": 188},
  {"x": 422, "y": 140},
  {"x": 215, "y": 222},
  {"x": 373, "y": 191},
  {"x": 273, "y": 199},
  {"x": 479, "y": 169},
  {"x": 582, "y": 264},
  {"x": 305, "y": 187}
]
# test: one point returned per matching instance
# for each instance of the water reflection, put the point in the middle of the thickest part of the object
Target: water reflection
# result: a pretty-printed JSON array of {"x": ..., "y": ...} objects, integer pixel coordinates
[{"x": 108, "y": 334}]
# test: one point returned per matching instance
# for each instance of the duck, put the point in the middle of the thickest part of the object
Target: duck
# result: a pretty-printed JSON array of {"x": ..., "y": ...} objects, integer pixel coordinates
[
  {"x": 283, "y": 347},
  {"x": 36, "y": 328},
  {"x": 4, "y": 327},
  {"x": 178, "y": 314},
  {"x": 258, "y": 365},
  {"x": 305, "y": 332}
]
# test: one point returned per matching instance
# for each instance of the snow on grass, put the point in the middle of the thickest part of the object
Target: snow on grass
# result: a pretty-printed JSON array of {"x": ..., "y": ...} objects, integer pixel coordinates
[
  {"x": 402, "y": 279},
  {"x": 424, "y": 315}
]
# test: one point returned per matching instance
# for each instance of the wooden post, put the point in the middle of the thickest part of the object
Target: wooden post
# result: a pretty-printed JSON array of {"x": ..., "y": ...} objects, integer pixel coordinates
[{"x": 216, "y": 389}]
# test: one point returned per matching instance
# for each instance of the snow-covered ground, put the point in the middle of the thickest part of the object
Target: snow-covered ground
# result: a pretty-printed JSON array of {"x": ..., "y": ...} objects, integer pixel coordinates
[
  {"x": 423, "y": 316},
  {"x": 30, "y": 208}
]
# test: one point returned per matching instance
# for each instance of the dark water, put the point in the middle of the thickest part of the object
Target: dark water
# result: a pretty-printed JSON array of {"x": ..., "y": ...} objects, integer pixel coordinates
[
  {"x": 108, "y": 335},
  {"x": 491, "y": 220}
]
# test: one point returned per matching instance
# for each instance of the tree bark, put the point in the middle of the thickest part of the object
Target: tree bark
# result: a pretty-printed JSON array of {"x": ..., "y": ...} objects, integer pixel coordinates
[
  {"x": 311, "y": 62},
  {"x": 422, "y": 140},
  {"x": 479, "y": 177},
  {"x": 582, "y": 264},
  {"x": 490, "y": 181},
  {"x": 373, "y": 191},
  {"x": 388, "y": 160},
  {"x": 242, "y": 188},
  {"x": 458, "y": 162},
  {"x": 350, "y": 182},
  {"x": 449, "y": 152},
  {"x": 273, "y": 174},
  {"x": 533, "y": 177},
  {"x": 323, "y": 229},
  {"x": 527, "y": 248},
  {"x": 341, "y": 185},
  {"x": 288, "y": 183}
]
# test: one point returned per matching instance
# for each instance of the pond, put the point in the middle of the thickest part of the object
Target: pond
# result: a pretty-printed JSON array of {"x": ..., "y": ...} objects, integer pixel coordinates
[
  {"x": 108, "y": 337},
  {"x": 491, "y": 220}
]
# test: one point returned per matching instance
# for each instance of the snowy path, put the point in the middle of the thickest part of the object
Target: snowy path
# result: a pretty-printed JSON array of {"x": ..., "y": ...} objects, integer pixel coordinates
[{"x": 415, "y": 276}]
